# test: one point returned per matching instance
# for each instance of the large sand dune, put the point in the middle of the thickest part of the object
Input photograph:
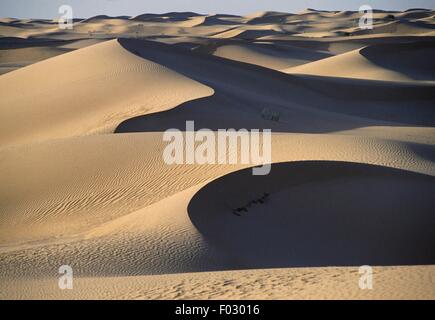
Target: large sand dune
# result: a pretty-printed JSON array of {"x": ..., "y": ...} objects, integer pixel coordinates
[
  {"x": 291, "y": 217},
  {"x": 65, "y": 88},
  {"x": 353, "y": 149}
]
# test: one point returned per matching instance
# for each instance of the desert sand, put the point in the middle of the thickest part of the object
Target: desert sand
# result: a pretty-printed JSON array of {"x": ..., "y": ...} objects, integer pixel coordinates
[{"x": 84, "y": 182}]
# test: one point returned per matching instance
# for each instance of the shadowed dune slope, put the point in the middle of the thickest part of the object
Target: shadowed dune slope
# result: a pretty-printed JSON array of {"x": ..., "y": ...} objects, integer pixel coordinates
[
  {"x": 319, "y": 213},
  {"x": 269, "y": 56},
  {"x": 390, "y": 62},
  {"x": 399, "y": 27},
  {"x": 305, "y": 104}
]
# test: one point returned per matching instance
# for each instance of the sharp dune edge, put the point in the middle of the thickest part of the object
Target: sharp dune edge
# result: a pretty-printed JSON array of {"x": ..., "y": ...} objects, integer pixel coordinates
[
  {"x": 78, "y": 83},
  {"x": 84, "y": 183}
]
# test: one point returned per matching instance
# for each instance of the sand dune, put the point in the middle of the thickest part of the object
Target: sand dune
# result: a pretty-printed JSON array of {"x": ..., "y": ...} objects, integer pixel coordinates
[
  {"x": 95, "y": 205},
  {"x": 78, "y": 83},
  {"x": 269, "y": 56},
  {"x": 26, "y": 56},
  {"x": 267, "y": 17},
  {"x": 399, "y": 27},
  {"x": 414, "y": 14},
  {"x": 390, "y": 62},
  {"x": 84, "y": 182},
  {"x": 247, "y": 34},
  {"x": 305, "y": 104},
  {"x": 17, "y": 52},
  {"x": 78, "y": 44},
  {"x": 98, "y": 18},
  {"x": 216, "y": 19},
  {"x": 297, "y": 204}
]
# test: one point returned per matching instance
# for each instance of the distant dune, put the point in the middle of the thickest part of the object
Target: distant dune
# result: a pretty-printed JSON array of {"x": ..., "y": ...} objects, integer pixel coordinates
[
  {"x": 389, "y": 62},
  {"x": 269, "y": 55}
]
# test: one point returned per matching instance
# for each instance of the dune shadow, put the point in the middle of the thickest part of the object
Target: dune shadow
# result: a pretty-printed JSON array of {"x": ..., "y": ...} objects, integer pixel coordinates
[
  {"x": 319, "y": 213},
  {"x": 412, "y": 59},
  {"x": 222, "y": 111},
  {"x": 307, "y": 104}
]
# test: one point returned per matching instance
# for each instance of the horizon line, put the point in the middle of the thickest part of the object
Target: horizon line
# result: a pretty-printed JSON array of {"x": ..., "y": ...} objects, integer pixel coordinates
[{"x": 219, "y": 13}]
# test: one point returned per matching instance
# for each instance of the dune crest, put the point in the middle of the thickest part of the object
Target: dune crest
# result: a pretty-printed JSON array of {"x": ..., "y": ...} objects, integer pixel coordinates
[{"x": 105, "y": 82}]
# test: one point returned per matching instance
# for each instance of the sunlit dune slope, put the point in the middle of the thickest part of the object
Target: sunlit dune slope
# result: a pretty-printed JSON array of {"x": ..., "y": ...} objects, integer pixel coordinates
[{"x": 86, "y": 91}]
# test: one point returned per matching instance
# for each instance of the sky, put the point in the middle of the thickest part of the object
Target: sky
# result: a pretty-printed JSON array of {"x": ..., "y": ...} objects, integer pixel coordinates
[{"x": 88, "y": 8}]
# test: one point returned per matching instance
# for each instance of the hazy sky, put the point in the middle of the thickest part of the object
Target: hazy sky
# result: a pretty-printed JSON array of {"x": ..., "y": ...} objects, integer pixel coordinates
[{"x": 87, "y": 8}]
